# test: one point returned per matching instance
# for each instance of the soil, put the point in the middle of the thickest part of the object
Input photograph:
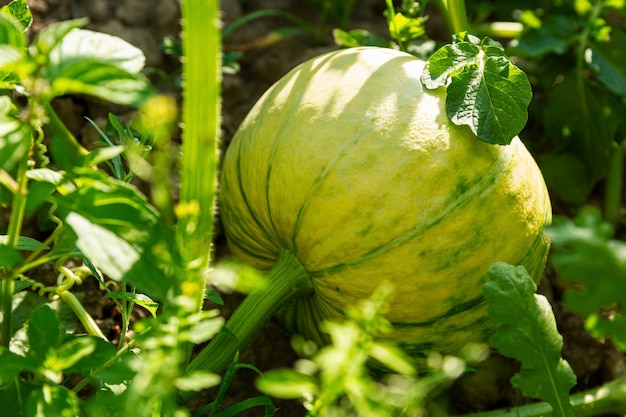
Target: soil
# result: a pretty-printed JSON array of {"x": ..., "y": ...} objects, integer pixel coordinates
[{"x": 145, "y": 23}]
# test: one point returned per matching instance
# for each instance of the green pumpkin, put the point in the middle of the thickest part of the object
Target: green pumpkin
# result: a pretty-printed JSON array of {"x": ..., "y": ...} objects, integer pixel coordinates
[{"x": 349, "y": 164}]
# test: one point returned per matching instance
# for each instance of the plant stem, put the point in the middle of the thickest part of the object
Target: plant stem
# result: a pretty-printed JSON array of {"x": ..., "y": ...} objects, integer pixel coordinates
[
  {"x": 458, "y": 16},
  {"x": 391, "y": 13},
  {"x": 16, "y": 220},
  {"x": 87, "y": 321},
  {"x": 455, "y": 14},
  {"x": 201, "y": 115},
  {"x": 614, "y": 183},
  {"x": 286, "y": 281},
  {"x": 607, "y": 399},
  {"x": 506, "y": 30}
]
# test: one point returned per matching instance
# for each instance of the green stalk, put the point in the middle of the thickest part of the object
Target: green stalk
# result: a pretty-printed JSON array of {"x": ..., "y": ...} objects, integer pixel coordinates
[
  {"x": 15, "y": 226},
  {"x": 614, "y": 183},
  {"x": 391, "y": 13},
  {"x": 455, "y": 14},
  {"x": 87, "y": 321},
  {"x": 608, "y": 399},
  {"x": 201, "y": 113},
  {"x": 286, "y": 281},
  {"x": 506, "y": 30},
  {"x": 458, "y": 16}
]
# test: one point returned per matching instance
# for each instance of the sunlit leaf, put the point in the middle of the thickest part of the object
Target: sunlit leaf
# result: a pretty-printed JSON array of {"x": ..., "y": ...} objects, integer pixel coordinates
[
  {"x": 15, "y": 140},
  {"x": 82, "y": 44},
  {"x": 83, "y": 353},
  {"x": 287, "y": 384},
  {"x": 139, "y": 299},
  {"x": 19, "y": 10},
  {"x": 404, "y": 28},
  {"x": 52, "y": 400},
  {"x": 485, "y": 90},
  {"x": 103, "y": 80},
  {"x": 120, "y": 233},
  {"x": 50, "y": 36},
  {"x": 196, "y": 381},
  {"x": 10, "y": 31}
]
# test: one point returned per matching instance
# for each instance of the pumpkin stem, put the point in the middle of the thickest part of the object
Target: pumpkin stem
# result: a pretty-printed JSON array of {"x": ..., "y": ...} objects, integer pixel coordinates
[{"x": 288, "y": 279}]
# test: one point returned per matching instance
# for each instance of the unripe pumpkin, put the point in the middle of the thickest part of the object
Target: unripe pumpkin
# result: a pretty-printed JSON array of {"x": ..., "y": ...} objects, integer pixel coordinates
[{"x": 351, "y": 165}]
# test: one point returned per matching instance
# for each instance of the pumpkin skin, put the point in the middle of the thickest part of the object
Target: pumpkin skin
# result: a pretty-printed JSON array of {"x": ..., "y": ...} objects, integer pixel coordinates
[{"x": 351, "y": 165}]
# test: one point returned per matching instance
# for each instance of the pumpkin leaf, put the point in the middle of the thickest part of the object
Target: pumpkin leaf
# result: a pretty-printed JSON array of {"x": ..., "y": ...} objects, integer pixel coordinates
[
  {"x": 528, "y": 333},
  {"x": 485, "y": 90}
]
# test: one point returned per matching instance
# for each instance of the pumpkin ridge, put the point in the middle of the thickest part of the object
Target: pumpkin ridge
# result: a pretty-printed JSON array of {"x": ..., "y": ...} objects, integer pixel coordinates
[
  {"x": 485, "y": 182},
  {"x": 327, "y": 169},
  {"x": 454, "y": 311},
  {"x": 279, "y": 137},
  {"x": 244, "y": 196}
]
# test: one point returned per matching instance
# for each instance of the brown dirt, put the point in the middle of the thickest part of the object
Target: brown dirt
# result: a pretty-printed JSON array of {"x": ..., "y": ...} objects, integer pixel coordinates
[{"x": 145, "y": 23}]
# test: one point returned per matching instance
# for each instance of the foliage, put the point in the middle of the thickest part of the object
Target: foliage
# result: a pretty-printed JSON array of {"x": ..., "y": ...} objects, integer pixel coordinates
[
  {"x": 335, "y": 380},
  {"x": 593, "y": 264},
  {"x": 526, "y": 319},
  {"x": 146, "y": 251},
  {"x": 102, "y": 223},
  {"x": 573, "y": 56}
]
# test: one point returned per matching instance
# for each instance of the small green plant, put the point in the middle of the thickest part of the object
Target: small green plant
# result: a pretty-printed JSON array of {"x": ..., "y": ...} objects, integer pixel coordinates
[
  {"x": 103, "y": 227},
  {"x": 336, "y": 379}
]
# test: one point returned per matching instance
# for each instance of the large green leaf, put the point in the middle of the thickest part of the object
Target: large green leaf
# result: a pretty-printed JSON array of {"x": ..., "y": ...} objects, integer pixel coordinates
[
  {"x": 115, "y": 227},
  {"x": 82, "y": 44},
  {"x": 528, "y": 333},
  {"x": 103, "y": 80},
  {"x": 44, "y": 332},
  {"x": 51, "y": 36},
  {"x": 93, "y": 63},
  {"x": 485, "y": 90}
]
